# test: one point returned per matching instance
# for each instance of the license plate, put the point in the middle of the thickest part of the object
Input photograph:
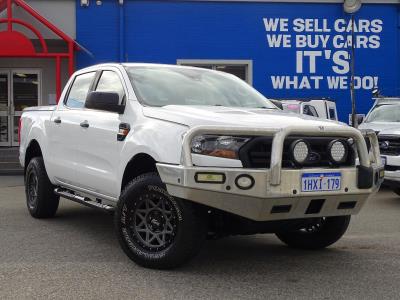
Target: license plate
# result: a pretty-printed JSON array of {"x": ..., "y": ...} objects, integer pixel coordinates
[
  {"x": 383, "y": 160},
  {"x": 315, "y": 182}
]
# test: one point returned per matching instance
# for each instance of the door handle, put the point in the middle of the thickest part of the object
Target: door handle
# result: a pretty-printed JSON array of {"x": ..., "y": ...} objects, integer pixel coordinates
[
  {"x": 57, "y": 120},
  {"x": 84, "y": 124}
]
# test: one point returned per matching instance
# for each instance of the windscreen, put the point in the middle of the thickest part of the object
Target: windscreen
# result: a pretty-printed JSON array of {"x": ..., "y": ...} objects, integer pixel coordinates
[
  {"x": 161, "y": 86},
  {"x": 385, "y": 113}
]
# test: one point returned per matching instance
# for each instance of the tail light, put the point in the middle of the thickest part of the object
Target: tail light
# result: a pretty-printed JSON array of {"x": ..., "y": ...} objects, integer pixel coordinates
[{"x": 19, "y": 129}]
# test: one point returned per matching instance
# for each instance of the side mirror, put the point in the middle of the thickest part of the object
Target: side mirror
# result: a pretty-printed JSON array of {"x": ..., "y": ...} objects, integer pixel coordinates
[{"x": 106, "y": 101}]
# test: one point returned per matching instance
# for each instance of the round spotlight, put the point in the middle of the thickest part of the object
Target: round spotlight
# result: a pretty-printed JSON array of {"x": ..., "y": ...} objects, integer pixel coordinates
[
  {"x": 244, "y": 182},
  {"x": 338, "y": 151},
  {"x": 300, "y": 151}
]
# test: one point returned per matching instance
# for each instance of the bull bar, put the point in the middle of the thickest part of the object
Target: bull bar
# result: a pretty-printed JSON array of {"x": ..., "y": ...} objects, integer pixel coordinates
[{"x": 276, "y": 187}]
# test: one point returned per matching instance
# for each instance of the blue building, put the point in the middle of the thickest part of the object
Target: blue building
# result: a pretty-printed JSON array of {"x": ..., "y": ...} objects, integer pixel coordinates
[{"x": 285, "y": 49}]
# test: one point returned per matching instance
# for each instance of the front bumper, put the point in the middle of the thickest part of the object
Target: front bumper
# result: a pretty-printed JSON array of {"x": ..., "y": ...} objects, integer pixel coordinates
[{"x": 276, "y": 193}]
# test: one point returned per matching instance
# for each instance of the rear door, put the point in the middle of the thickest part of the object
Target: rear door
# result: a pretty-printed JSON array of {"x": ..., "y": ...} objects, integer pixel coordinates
[
  {"x": 99, "y": 150},
  {"x": 64, "y": 129}
]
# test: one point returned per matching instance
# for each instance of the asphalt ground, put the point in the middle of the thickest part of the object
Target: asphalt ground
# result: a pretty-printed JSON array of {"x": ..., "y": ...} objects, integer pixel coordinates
[{"x": 76, "y": 256}]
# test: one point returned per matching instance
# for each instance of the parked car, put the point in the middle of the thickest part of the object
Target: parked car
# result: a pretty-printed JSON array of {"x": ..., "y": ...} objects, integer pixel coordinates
[
  {"x": 319, "y": 108},
  {"x": 183, "y": 153},
  {"x": 384, "y": 119}
]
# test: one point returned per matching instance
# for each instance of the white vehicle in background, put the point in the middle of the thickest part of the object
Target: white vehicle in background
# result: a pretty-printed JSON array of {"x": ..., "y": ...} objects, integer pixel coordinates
[
  {"x": 384, "y": 119},
  {"x": 319, "y": 108}
]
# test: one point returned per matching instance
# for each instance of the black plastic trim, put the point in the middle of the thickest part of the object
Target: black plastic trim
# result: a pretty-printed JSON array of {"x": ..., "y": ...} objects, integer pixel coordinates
[
  {"x": 365, "y": 177},
  {"x": 281, "y": 209}
]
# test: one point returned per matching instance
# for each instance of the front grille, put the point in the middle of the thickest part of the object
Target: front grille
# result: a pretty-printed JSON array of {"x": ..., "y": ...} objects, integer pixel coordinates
[
  {"x": 392, "y": 168},
  {"x": 257, "y": 153},
  {"x": 389, "y": 144}
]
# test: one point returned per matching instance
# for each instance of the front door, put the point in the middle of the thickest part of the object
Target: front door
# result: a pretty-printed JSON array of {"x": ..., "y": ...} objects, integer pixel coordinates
[{"x": 18, "y": 89}]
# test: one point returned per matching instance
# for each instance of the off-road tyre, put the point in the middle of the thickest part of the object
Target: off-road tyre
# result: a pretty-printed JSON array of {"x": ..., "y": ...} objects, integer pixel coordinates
[
  {"x": 40, "y": 198},
  {"x": 320, "y": 234},
  {"x": 145, "y": 210}
]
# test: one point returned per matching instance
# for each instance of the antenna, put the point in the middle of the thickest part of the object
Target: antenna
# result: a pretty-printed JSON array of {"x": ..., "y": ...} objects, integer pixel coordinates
[{"x": 351, "y": 7}]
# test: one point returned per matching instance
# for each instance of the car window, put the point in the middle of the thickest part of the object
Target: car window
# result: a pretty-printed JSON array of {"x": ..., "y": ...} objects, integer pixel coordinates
[
  {"x": 79, "y": 90},
  {"x": 384, "y": 113},
  {"x": 332, "y": 114},
  {"x": 310, "y": 110},
  {"x": 110, "y": 82},
  {"x": 162, "y": 86}
]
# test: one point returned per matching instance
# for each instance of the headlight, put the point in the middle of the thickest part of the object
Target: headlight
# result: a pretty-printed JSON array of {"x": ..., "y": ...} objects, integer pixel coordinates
[
  {"x": 338, "y": 151},
  {"x": 300, "y": 151},
  {"x": 219, "y": 146}
]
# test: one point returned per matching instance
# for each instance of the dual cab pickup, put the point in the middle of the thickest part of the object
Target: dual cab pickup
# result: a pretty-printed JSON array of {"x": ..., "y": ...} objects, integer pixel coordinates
[{"x": 181, "y": 154}]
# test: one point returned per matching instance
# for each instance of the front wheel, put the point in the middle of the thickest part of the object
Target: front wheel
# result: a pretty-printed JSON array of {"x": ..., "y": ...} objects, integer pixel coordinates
[
  {"x": 317, "y": 234},
  {"x": 155, "y": 229}
]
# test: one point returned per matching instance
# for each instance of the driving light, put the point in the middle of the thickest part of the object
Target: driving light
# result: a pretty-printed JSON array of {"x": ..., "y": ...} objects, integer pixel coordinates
[
  {"x": 300, "y": 151},
  {"x": 338, "y": 151},
  {"x": 244, "y": 182},
  {"x": 210, "y": 177},
  {"x": 218, "y": 146}
]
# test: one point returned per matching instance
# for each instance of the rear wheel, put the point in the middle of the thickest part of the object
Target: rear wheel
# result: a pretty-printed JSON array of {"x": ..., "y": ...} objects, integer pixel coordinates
[
  {"x": 316, "y": 235},
  {"x": 155, "y": 229},
  {"x": 40, "y": 198}
]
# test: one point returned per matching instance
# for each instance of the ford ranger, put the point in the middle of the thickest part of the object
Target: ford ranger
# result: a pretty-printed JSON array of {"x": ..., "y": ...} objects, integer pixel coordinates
[{"x": 181, "y": 154}]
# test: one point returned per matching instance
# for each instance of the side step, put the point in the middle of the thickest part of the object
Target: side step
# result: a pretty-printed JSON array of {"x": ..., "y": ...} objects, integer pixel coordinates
[{"x": 82, "y": 200}]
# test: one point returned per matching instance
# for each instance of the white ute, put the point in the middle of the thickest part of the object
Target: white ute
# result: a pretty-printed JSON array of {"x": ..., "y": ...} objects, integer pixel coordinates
[
  {"x": 384, "y": 119},
  {"x": 182, "y": 154}
]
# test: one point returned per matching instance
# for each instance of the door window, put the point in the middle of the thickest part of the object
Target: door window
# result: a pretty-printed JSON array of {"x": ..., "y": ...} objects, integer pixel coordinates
[
  {"x": 79, "y": 90},
  {"x": 310, "y": 111},
  {"x": 3, "y": 129},
  {"x": 25, "y": 90},
  {"x": 332, "y": 113},
  {"x": 3, "y": 92},
  {"x": 4, "y": 108},
  {"x": 110, "y": 82}
]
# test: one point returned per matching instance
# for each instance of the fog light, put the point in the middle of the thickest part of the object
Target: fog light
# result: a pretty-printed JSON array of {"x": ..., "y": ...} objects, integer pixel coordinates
[
  {"x": 381, "y": 174},
  {"x": 337, "y": 151},
  {"x": 244, "y": 182},
  {"x": 300, "y": 151},
  {"x": 210, "y": 177}
]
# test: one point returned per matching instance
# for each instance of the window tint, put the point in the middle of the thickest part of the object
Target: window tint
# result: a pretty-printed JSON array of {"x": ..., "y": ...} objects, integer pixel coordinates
[
  {"x": 79, "y": 90},
  {"x": 110, "y": 82},
  {"x": 310, "y": 110},
  {"x": 332, "y": 114}
]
